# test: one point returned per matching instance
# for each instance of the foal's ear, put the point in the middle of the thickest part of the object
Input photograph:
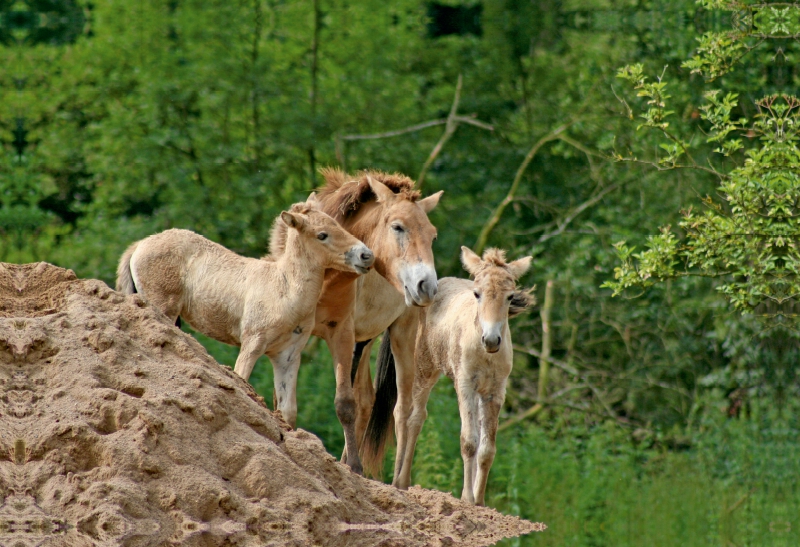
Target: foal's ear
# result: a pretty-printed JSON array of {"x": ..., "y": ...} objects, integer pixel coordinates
[
  {"x": 430, "y": 202},
  {"x": 383, "y": 192},
  {"x": 470, "y": 260},
  {"x": 292, "y": 220},
  {"x": 519, "y": 267},
  {"x": 312, "y": 199}
]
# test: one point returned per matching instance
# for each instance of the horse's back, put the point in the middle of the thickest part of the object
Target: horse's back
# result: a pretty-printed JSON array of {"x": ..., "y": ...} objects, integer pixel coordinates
[{"x": 184, "y": 273}]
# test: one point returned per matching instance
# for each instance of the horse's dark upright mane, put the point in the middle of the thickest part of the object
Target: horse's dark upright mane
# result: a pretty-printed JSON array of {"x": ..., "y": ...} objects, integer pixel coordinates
[{"x": 343, "y": 194}]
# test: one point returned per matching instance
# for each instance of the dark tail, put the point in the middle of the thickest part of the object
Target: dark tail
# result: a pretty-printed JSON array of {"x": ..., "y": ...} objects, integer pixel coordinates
[
  {"x": 357, "y": 352},
  {"x": 379, "y": 428}
]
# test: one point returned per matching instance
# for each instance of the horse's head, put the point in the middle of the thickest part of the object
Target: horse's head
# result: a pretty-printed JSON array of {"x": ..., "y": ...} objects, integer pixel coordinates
[
  {"x": 402, "y": 238},
  {"x": 326, "y": 239},
  {"x": 495, "y": 289}
]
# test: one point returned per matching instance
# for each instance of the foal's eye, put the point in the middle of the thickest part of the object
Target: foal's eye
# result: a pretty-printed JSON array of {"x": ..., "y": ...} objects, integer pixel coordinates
[
  {"x": 510, "y": 297},
  {"x": 322, "y": 236},
  {"x": 476, "y": 294},
  {"x": 397, "y": 228}
]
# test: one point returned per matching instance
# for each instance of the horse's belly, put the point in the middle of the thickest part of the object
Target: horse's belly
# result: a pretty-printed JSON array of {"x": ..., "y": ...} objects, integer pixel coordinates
[{"x": 214, "y": 323}]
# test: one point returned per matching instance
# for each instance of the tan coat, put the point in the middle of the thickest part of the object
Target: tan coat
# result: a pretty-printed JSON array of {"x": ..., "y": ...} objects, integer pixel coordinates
[{"x": 265, "y": 305}]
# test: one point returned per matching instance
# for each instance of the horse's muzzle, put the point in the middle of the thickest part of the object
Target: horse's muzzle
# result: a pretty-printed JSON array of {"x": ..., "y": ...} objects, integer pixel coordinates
[{"x": 420, "y": 285}]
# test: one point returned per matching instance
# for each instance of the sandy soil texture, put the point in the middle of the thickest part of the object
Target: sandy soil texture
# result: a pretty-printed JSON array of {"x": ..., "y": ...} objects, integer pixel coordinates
[{"x": 118, "y": 429}]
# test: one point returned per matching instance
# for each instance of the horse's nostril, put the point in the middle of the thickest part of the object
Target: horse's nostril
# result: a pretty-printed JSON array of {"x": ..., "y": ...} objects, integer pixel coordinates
[{"x": 366, "y": 256}]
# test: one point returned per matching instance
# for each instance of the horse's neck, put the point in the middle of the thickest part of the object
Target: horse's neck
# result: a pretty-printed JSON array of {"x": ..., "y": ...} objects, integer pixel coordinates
[
  {"x": 302, "y": 270},
  {"x": 363, "y": 225}
]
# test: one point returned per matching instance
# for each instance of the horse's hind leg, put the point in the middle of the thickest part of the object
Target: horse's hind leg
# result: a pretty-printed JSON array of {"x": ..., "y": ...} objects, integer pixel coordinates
[
  {"x": 419, "y": 413},
  {"x": 403, "y": 338},
  {"x": 363, "y": 392}
]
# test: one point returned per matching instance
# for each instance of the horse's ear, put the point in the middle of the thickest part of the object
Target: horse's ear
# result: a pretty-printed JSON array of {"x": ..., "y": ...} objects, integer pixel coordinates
[
  {"x": 312, "y": 199},
  {"x": 430, "y": 202},
  {"x": 519, "y": 267},
  {"x": 383, "y": 192},
  {"x": 470, "y": 260},
  {"x": 292, "y": 220}
]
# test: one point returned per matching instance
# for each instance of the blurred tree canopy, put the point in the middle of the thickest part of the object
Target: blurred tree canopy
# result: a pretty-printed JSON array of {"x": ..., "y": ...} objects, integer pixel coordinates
[{"x": 133, "y": 117}]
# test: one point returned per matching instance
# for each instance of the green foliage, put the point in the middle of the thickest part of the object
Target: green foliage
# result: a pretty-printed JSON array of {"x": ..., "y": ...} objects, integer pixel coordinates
[
  {"x": 750, "y": 242},
  {"x": 214, "y": 116}
]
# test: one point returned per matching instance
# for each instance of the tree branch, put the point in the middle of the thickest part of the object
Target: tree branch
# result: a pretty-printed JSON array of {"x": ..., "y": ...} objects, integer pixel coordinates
[{"x": 512, "y": 191}]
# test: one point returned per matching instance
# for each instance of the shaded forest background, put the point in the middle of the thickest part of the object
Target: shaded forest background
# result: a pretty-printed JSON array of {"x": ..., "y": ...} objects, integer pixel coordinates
[{"x": 659, "y": 412}]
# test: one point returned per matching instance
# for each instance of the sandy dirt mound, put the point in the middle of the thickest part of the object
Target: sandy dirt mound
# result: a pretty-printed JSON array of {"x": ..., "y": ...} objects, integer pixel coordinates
[{"x": 118, "y": 429}]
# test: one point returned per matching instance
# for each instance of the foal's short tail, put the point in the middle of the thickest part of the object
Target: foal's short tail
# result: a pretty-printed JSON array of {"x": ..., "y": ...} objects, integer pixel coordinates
[
  {"x": 379, "y": 428},
  {"x": 124, "y": 277}
]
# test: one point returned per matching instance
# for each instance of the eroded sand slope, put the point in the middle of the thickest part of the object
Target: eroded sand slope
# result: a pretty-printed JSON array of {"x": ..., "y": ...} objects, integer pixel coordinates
[{"x": 118, "y": 429}]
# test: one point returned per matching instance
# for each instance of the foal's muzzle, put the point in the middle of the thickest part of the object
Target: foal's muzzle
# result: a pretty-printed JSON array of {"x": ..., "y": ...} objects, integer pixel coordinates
[
  {"x": 360, "y": 258},
  {"x": 492, "y": 336}
]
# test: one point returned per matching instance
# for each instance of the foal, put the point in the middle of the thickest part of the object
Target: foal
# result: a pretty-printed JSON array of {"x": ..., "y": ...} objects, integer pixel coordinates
[
  {"x": 263, "y": 305},
  {"x": 463, "y": 334}
]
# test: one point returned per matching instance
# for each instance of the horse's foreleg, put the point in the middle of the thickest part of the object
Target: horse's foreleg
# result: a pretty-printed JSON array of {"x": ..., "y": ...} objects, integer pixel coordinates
[
  {"x": 286, "y": 366},
  {"x": 341, "y": 344},
  {"x": 403, "y": 334},
  {"x": 419, "y": 413},
  {"x": 470, "y": 430},
  {"x": 489, "y": 413},
  {"x": 253, "y": 346}
]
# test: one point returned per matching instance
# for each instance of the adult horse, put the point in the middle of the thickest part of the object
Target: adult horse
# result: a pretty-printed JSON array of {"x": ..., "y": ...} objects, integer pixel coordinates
[{"x": 386, "y": 213}]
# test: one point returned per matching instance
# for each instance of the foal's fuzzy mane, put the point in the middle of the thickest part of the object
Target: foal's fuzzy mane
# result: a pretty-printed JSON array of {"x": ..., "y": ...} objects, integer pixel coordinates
[
  {"x": 495, "y": 257},
  {"x": 279, "y": 231},
  {"x": 343, "y": 195}
]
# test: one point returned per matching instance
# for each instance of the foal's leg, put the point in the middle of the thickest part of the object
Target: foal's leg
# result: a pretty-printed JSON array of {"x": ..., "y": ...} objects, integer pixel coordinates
[
  {"x": 468, "y": 409},
  {"x": 419, "y": 413},
  {"x": 489, "y": 412},
  {"x": 253, "y": 346},
  {"x": 341, "y": 343},
  {"x": 286, "y": 366}
]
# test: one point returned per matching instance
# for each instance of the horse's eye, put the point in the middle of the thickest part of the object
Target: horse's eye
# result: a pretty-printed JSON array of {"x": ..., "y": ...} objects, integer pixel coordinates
[
  {"x": 476, "y": 294},
  {"x": 397, "y": 228},
  {"x": 510, "y": 297},
  {"x": 322, "y": 236}
]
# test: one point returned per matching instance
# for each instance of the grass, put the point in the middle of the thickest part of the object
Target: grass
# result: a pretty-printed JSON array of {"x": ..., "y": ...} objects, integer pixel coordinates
[{"x": 592, "y": 486}]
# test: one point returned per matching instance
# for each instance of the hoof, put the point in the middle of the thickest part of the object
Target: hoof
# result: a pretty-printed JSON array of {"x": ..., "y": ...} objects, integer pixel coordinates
[{"x": 357, "y": 469}]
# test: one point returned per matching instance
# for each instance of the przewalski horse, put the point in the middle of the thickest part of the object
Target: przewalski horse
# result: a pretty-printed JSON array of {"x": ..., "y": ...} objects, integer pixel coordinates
[
  {"x": 463, "y": 334},
  {"x": 386, "y": 213},
  {"x": 265, "y": 305}
]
